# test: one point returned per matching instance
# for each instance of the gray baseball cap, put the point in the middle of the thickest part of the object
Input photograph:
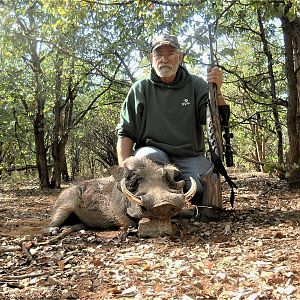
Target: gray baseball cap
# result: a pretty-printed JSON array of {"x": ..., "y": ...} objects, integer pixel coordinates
[{"x": 165, "y": 39}]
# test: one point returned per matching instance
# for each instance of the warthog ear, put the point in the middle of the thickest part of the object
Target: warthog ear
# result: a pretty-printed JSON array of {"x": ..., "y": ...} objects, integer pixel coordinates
[{"x": 117, "y": 172}]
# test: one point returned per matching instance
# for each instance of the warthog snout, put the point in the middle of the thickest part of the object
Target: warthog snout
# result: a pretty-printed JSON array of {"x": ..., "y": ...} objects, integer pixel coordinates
[{"x": 165, "y": 210}]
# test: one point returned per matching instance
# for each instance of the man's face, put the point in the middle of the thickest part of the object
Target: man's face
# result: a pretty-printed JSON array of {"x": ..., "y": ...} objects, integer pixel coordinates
[{"x": 165, "y": 61}]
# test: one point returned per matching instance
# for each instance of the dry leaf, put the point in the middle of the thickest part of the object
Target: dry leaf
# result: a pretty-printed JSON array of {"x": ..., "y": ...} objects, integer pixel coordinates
[
  {"x": 97, "y": 262},
  {"x": 133, "y": 261},
  {"x": 279, "y": 235},
  {"x": 158, "y": 288},
  {"x": 61, "y": 264}
]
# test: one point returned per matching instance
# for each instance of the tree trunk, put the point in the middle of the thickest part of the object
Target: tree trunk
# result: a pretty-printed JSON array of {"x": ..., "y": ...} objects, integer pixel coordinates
[
  {"x": 40, "y": 152},
  {"x": 64, "y": 167},
  {"x": 59, "y": 165},
  {"x": 272, "y": 89},
  {"x": 39, "y": 134},
  {"x": 63, "y": 121},
  {"x": 260, "y": 140},
  {"x": 57, "y": 128},
  {"x": 291, "y": 32},
  {"x": 1, "y": 158},
  {"x": 39, "y": 119},
  {"x": 75, "y": 168}
]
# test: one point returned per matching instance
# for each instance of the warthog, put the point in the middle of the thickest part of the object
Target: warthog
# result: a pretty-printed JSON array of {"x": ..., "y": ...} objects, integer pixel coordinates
[{"x": 139, "y": 189}]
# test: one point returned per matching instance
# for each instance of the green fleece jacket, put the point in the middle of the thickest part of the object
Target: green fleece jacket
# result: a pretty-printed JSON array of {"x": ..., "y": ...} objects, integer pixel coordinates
[{"x": 167, "y": 116}]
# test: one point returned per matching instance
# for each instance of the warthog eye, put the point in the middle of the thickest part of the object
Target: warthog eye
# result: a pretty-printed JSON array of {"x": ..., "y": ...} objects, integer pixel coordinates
[
  {"x": 132, "y": 182},
  {"x": 171, "y": 179}
]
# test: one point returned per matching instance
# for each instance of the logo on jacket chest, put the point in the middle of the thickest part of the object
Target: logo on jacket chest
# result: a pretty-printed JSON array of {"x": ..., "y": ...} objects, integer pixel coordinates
[{"x": 185, "y": 102}]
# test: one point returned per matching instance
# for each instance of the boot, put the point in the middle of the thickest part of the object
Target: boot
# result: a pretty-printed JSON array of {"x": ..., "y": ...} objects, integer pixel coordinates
[
  {"x": 212, "y": 195},
  {"x": 212, "y": 203}
]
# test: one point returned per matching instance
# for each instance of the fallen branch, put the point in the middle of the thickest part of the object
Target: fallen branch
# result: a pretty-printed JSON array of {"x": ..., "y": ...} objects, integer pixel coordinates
[
  {"x": 24, "y": 276},
  {"x": 12, "y": 284},
  {"x": 5, "y": 249},
  {"x": 249, "y": 159},
  {"x": 22, "y": 168}
]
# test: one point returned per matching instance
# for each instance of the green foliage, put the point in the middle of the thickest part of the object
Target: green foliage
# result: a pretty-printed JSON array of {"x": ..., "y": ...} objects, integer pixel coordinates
[{"x": 103, "y": 46}]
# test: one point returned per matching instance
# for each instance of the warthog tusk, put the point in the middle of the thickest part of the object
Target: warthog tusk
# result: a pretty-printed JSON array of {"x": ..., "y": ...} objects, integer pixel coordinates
[
  {"x": 129, "y": 195},
  {"x": 192, "y": 191}
]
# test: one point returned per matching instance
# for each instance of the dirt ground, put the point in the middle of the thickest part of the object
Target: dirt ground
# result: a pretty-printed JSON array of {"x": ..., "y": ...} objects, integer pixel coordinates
[{"x": 252, "y": 254}]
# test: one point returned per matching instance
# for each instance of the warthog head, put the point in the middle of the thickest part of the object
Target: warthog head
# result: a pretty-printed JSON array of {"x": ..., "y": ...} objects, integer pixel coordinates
[{"x": 154, "y": 187}]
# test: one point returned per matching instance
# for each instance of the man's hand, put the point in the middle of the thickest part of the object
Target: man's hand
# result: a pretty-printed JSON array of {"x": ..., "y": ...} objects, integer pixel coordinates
[{"x": 215, "y": 75}]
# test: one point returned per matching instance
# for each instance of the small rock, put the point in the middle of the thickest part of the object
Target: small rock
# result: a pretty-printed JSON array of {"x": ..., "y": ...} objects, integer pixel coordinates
[
  {"x": 154, "y": 227},
  {"x": 66, "y": 294},
  {"x": 52, "y": 281}
]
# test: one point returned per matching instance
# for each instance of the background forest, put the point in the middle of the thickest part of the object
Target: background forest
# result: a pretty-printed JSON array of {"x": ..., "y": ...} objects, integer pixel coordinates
[{"x": 66, "y": 67}]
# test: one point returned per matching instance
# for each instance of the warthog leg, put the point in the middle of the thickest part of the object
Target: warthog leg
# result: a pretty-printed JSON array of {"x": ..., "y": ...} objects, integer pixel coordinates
[{"x": 65, "y": 205}]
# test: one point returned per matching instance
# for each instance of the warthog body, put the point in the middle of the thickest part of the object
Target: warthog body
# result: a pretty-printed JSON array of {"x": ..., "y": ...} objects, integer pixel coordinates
[{"x": 140, "y": 189}]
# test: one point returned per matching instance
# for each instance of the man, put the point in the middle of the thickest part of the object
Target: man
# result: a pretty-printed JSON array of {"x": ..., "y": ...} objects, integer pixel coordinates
[{"x": 162, "y": 117}]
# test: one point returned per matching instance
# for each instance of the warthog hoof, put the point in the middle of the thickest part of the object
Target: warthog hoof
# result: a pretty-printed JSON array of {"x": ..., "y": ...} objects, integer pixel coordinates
[{"x": 51, "y": 230}]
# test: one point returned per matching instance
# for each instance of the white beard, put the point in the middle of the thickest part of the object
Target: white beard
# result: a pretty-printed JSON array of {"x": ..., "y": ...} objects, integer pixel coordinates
[{"x": 165, "y": 71}]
